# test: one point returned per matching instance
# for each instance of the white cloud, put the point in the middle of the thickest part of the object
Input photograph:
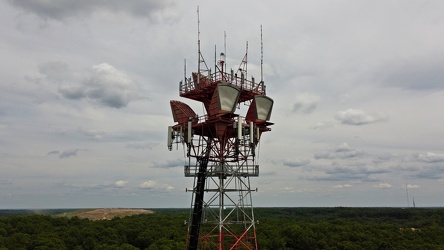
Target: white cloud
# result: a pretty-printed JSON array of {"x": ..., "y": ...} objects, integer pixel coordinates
[
  {"x": 167, "y": 187},
  {"x": 120, "y": 184},
  {"x": 358, "y": 117},
  {"x": 148, "y": 184},
  {"x": 344, "y": 147},
  {"x": 153, "y": 185},
  {"x": 342, "y": 186},
  {"x": 430, "y": 157},
  {"x": 412, "y": 186},
  {"x": 383, "y": 186},
  {"x": 306, "y": 103}
]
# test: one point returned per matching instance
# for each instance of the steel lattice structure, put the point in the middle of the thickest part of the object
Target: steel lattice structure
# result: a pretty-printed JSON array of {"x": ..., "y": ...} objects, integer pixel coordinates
[{"x": 221, "y": 153}]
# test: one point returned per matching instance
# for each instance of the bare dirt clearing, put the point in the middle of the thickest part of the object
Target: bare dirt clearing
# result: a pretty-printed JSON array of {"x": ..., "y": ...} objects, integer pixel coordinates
[{"x": 109, "y": 213}]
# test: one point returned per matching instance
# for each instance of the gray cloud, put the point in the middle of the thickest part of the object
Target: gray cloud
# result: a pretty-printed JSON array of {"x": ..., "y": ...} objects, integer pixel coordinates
[
  {"x": 427, "y": 166},
  {"x": 54, "y": 152},
  {"x": 386, "y": 157},
  {"x": 104, "y": 84},
  {"x": 422, "y": 74},
  {"x": 55, "y": 71},
  {"x": 91, "y": 133},
  {"x": 429, "y": 171},
  {"x": 141, "y": 145},
  {"x": 5, "y": 182},
  {"x": 64, "y": 154},
  {"x": 61, "y": 9},
  {"x": 342, "y": 151},
  {"x": 169, "y": 164},
  {"x": 68, "y": 153},
  {"x": 429, "y": 174},
  {"x": 296, "y": 163},
  {"x": 306, "y": 103},
  {"x": 119, "y": 187},
  {"x": 358, "y": 117},
  {"x": 361, "y": 177},
  {"x": 72, "y": 92},
  {"x": 358, "y": 172}
]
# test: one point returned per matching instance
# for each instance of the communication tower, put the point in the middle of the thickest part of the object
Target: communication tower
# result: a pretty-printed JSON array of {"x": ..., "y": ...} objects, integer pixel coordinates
[{"x": 221, "y": 149}]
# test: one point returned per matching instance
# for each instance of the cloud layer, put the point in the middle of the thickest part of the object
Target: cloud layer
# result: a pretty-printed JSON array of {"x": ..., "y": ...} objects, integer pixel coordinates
[
  {"x": 86, "y": 85},
  {"x": 63, "y": 9}
]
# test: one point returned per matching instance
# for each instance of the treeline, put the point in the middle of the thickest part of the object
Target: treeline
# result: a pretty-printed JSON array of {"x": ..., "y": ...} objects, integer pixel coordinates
[
  {"x": 350, "y": 228},
  {"x": 278, "y": 228},
  {"x": 164, "y": 229}
]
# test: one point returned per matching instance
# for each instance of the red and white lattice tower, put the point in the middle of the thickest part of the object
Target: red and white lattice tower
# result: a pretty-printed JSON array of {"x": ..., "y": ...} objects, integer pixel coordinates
[{"x": 221, "y": 148}]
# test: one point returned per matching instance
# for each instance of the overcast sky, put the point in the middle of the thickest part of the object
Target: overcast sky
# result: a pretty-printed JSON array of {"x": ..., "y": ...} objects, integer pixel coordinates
[{"x": 85, "y": 90}]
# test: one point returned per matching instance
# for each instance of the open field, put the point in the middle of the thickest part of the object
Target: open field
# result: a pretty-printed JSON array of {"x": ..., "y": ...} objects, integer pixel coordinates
[
  {"x": 110, "y": 213},
  {"x": 89, "y": 213}
]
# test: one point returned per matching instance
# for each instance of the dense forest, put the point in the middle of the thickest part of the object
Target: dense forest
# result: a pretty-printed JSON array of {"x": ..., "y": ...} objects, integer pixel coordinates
[{"x": 278, "y": 228}]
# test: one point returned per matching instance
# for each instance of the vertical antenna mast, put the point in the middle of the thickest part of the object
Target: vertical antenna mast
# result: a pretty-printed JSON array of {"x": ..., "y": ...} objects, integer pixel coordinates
[
  {"x": 225, "y": 48},
  {"x": 185, "y": 71},
  {"x": 262, "y": 58},
  {"x": 198, "y": 46},
  {"x": 407, "y": 191},
  {"x": 246, "y": 61},
  {"x": 215, "y": 61}
]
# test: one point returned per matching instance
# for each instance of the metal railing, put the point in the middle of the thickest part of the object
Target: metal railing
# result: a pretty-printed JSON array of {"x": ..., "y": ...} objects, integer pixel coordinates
[
  {"x": 225, "y": 170},
  {"x": 238, "y": 81}
]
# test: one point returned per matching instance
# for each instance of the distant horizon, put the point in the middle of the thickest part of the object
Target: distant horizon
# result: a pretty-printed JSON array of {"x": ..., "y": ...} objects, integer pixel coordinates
[{"x": 79, "y": 208}]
